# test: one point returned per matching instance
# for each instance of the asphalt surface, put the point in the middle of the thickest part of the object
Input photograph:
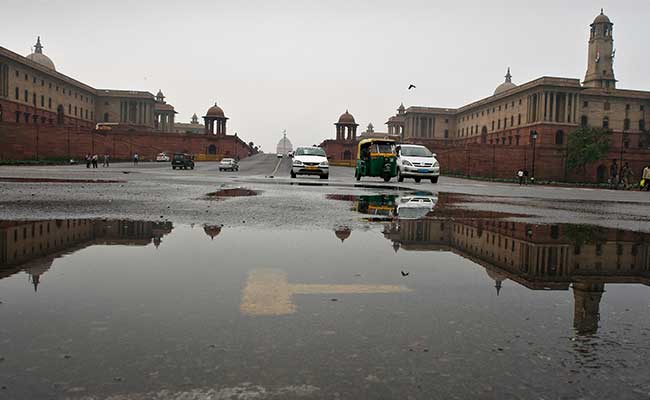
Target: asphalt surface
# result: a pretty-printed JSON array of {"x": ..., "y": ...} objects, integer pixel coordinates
[{"x": 154, "y": 191}]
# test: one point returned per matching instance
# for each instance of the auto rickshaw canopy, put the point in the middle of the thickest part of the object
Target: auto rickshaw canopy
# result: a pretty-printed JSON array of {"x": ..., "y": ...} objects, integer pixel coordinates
[{"x": 377, "y": 147}]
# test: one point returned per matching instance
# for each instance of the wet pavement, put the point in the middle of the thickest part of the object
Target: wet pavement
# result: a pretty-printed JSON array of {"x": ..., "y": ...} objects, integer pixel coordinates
[{"x": 154, "y": 290}]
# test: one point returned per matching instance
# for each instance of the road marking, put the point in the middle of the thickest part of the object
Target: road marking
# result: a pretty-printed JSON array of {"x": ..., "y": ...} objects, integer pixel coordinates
[
  {"x": 268, "y": 292},
  {"x": 276, "y": 167}
]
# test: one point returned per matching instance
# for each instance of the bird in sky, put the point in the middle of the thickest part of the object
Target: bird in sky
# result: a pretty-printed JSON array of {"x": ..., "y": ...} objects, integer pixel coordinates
[
  {"x": 405, "y": 273},
  {"x": 411, "y": 86}
]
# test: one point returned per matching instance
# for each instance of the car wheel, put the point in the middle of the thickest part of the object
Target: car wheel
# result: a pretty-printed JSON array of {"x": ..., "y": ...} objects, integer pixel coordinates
[
  {"x": 386, "y": 178},
  {"x": 400, "y": 177},
  {"x": 293, "y": 174},
  {"x": 434, "y": 180},
  {"x": 417, "y": 180},
  {"x": 173, "y": 167},
  {"x": 192, "y": 167}
]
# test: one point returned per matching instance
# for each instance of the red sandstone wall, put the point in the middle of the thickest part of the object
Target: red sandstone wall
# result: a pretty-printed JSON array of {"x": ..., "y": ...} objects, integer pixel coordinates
[{"x": 19, "y": 141}]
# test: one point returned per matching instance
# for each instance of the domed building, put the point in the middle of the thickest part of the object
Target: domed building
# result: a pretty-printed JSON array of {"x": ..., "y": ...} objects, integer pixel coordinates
[
  {"x": 505, "y": 86},
  {"x": 212, "y": 230},
  {"x": 38, "y": 57},
  {"x": 215, "y": 121},
  {"x": 346, "y": 127},
  {"x": 284, "y": 146}
]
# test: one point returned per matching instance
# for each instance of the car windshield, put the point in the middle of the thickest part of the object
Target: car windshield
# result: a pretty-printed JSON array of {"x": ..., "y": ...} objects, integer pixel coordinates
[
  {"x": 383, "y": 148},
  {"x": 178, "y": 156},
  {"x": 415, "y": 151},
  {"x": 310, "y": 151}
]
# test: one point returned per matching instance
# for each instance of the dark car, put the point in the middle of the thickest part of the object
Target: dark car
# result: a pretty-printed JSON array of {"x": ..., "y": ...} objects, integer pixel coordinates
[{"x": 182, "y": 161}]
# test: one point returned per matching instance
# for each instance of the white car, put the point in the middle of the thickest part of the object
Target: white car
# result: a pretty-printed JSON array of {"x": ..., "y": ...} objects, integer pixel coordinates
[
  {"x": 415, "y": 207},
  {"x": 310, "y": 161},
  {"x": 228, "y": 164},
  {"x": 163, "y": 157},
  {"x": 417, "y": 162}
]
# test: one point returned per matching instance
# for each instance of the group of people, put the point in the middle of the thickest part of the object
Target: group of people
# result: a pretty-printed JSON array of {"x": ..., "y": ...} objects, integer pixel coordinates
[
  {"x": 522, "y": 176},
  {"x": 625, "y": 177},
  {"x": 94, "y": 160}
]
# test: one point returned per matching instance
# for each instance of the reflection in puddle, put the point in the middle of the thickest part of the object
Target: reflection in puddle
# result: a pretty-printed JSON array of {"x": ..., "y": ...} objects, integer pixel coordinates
[
  {"x": 539, "y": 257},
  {"x": 268, "y": 292},
  {"x": 32, "y": 246}
]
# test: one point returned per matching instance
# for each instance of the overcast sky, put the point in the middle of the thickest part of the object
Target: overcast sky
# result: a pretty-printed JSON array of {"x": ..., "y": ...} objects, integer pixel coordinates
[{"x": 297, "y": 65}]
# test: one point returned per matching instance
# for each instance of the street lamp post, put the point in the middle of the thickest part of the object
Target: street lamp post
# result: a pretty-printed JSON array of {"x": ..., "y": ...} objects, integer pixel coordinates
[{"x": 533, "y": 136}]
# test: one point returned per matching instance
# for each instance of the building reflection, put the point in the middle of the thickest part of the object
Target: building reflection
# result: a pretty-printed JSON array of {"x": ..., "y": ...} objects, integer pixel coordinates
[
  {"x": 539, "y": 257},
  {"x": 34, "y": 245}
]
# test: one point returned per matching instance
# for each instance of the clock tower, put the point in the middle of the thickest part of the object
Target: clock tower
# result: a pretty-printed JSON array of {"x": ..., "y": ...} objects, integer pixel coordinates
[{"x": 600, "y": 64}]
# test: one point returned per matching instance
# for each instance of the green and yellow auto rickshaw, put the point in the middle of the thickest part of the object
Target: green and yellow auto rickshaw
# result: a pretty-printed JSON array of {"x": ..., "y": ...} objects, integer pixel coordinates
[{"x": 376, "y": 157}]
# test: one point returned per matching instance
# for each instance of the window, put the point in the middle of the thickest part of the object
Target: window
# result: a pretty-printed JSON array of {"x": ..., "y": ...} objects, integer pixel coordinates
[
  {"x": 105, "y": 117},
  {"x": 17, "y": 94},
  {"x": 499, "y": 124},
  {"x": 34, "y": 80},
  {"x": 519, "y": 101},
  {"x": 17, "y": 116},
  {"x": 75, "y": 111},
  {"x": 641, "y": 108},
  {"x": 626, "y": 124},
  {"x": 599, "y": 249},
  {"x": 606, "y": 123},
  {"x": 49, "y": 103},
  {"x": 492, "y": 125},
  {"x": 69, "y": 108},
  {"x": 42, "y": 101},
  {"x": 585, "y": 104},
  {"x": 627, "y": 106},
  {"x": 583, "y": 121},
  {"x": 607, "y": 106},
  {"x": 519, "y": 119},
  {"x": 26, "y": 95},
  {"x": 42, "y": 82},
  {"x": 512, "y": 121},
  {"x": 559, "y": 137},
  {"x": 446, "y": 133},
  {"x": 576, "y": 249},
  {"x": 34, "y": 99},
  {"x": 26, "y": 78}
]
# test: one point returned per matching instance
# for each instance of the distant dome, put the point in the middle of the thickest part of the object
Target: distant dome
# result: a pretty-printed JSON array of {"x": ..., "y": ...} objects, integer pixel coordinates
[
  {"x": 602, "y": 18},
  {"x": 215, "y": 111},
  {"x": 346, "y": 118},
  {"x": 284, "y": 145},
  {"x": 38, "y": 57},
  {"x": 505, "y": 86}
]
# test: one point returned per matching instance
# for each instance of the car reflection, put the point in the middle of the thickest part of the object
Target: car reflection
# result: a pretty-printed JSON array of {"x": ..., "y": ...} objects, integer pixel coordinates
[
  {"x": 388, "y": 206},
  {"x": 539, "y": 257},
  {"x": 32, "y": 246}
]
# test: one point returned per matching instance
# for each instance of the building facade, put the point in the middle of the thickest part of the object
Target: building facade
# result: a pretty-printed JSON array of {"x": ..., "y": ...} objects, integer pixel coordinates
[{"x": 549, "y": 107}]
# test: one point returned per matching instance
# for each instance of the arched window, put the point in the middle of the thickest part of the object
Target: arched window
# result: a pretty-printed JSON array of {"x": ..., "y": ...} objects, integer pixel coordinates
[
  {"x": 212, "y": 149},
  {"x": 606, "y": 123},
  {"x": 559, "y": 137},
  {"x": 484, "y": 135},
  {"x": 105, "y": 117},
  {"x": 583, "y": 121}
]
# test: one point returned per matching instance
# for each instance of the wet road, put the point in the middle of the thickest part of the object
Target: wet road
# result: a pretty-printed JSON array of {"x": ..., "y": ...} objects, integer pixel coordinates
[{"x": 147, "y": 283}]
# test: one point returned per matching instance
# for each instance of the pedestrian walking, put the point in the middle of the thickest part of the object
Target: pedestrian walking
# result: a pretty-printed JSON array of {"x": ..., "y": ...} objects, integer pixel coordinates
[
  {"x": 645, "y": 178},
  {"x": 613, "y": 175},
  {"x": 626, "y": 176},
  {"x": 520, "y": 176},
  {"x": 106, "y": 160},
  {"x": 88, "y": 160},
  {"x": 95, "y": 161},
  {"x": 135, "y": 159}
]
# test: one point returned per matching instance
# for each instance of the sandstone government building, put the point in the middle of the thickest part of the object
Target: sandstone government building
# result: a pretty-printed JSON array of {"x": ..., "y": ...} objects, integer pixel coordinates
[
  {"x": 44, "y": 113},
  {"x": 527, "y": 125}
]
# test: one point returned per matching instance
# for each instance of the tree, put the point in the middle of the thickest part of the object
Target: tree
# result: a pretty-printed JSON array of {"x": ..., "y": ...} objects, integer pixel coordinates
[{"x": 587, "y": 145}]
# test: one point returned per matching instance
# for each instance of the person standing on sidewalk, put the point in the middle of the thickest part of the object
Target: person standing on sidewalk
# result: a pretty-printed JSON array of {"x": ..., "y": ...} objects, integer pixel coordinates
[
  {"x": 646, "y": 178},
  {"x": 135, "y": 159},
  {"x": 520, "y": 176},
  {"x": 613, "y": 175},
  {"x": 106, "y": 162}
]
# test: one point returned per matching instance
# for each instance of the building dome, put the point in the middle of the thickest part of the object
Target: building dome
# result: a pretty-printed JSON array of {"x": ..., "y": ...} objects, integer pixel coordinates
[
  {"x": 212, "y": 230},
  {"x": 602, "y": 18},
  {"x": 215, "y": 111},
  {"x": 505, "y": 86},
  {"x": 346, "y": 118},
  {"x": 38, "y": 57},
  {"x": 284, "y": 145}
]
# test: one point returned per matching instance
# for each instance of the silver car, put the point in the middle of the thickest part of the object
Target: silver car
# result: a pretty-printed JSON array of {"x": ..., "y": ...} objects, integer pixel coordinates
[{"x": 417, "y": 162}]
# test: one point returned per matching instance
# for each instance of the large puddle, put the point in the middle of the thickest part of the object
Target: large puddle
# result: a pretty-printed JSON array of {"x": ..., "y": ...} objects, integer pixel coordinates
[{"x": 419, "y": 305}]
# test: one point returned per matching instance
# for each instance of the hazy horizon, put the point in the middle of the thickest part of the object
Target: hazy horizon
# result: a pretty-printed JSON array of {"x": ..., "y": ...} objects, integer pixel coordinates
[{"x": 299, "y": 65}]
